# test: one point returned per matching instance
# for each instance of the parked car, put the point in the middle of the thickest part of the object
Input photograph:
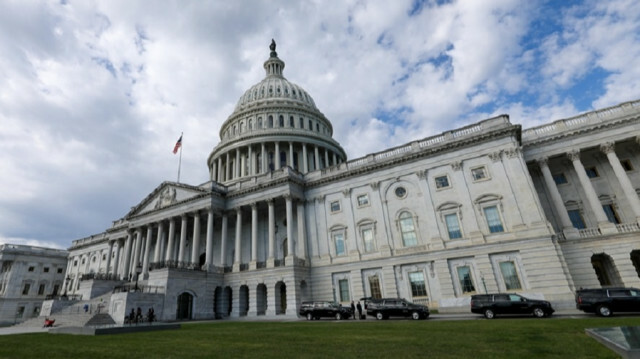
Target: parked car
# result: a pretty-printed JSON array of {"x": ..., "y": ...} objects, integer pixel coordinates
[
  {"x": 396, "y": 307},
  {"x": 491, "y": 305},
  {"x": 324, "y": 309},
  {"x": 606, "y": 301}
]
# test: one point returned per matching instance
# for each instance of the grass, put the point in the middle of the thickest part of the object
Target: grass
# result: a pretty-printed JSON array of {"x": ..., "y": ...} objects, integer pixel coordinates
[{"x": 500, "y": 338}]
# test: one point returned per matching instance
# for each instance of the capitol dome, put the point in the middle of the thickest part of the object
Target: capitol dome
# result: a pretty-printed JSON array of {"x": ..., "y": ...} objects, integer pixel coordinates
[{"x": 275, "y": 124}]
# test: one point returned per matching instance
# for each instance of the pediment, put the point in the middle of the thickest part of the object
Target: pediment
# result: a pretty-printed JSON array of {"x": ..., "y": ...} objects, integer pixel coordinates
[{"x": 166, "y": 195}]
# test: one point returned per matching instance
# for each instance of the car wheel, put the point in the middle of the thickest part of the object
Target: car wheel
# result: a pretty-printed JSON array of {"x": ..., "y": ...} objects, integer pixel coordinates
[
  {"x": 379, "y": 316},
  {"x": 338, "y": 316},
  {"x": 538, "y": 312},
  {"x": 489, "y": 314},
  {"x": 309, "y": 316},
  {"x": 415, "y": 315},
  {"x": 604, "y": 311}
]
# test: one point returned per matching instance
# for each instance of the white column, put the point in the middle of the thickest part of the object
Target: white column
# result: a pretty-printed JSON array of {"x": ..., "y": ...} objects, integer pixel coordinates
[
  {"x": 317, "y": 158},
  {"x": 272, "y": 233},
  {"x": 238, "y": 249},
  {"x": 250, "y": 159},
  {"x": 629, "y": 192},
  {"x": 223, "y": 244},
  {"x": 302, "y": 235},
  {"x": 170, "y": 244},
  {"x": 127, "y": 256},
  {"x": 109, "y": 256},
  {"x": 326, "y": 158},
  {"x": 147, "y": 245},
  {"x": 254, "y": 232},
  {"x": 183, "y": 238},
  {"x": 603, "y": 223},
  {"x": 116, "y": 263},
  {"x": 158, "y": 250},
  {"x": 335, "y": 160},
  {"x": 305, "y": 158},
  {"x": 290, "y": 241},
  {"x": 291, "y": 154},
  {"x": 228, "y": 168},
  {"x": 567, "y": 227},
  {"x": 136, "y": 253},
  {"x": 220, "y": 179},
  {"x": 238, "y": 166},
  {"x": 209, "y": 248},
  {"x": 195, "y": 250},
  {"x": 277, "y": 156},
  {"x": 263, "y": 159}
]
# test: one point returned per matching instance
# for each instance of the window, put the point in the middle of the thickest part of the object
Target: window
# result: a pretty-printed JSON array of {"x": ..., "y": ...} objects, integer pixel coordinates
[
  {"x": 418, "y": 288},
  {"x": 291, "y": 122},
  {"x": 59, "y": 270},
  {"x": 400, "y": 192},
  {"x": 576, "y": 219},
  {"x": 442, "y": 182},
  {"x": 363, "y": 200},
  {"x": 335, "y": 206},
  {"x": 75, "y": 263},
  {"x": 626, "y": 164},
  {"x": 310, "y": 125},
  {"x": 453, "y": 226},
  {"x": 343, "y": 285},
  {"x": 301, "y": 124},
  {"x": 367, "y": 239},
  {"x": 493, "y": 219},
  {"x": 41, "y": 289},
  {"x": 270, "y": 122},
  {"x": 45, "y": 269},
  {"x": 20, "y": 312},
  {"x": 408, "y": 230},
  {"x": 465, "y": 280},
  {"x": 104, "y": 256},
  {"x": 479, "y": 173},
  {"x": 374, "y": 285},
  {"x": 338, "y": 238},
  {"x": 510, "y": 275},
  {"x": 31, "y": 269},
  {"x": 84, "y": 260},
  {"x": 560, "y": 178},
  {"x": 592, "y": 172},
  {"x": 25, "y": 289},
  {"x": 611, "y": 213},
  {"x": 281, "y": 121}
]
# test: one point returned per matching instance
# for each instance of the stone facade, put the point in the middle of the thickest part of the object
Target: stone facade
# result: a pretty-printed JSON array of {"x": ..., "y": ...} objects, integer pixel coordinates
[{"x": 285, "y": 217}]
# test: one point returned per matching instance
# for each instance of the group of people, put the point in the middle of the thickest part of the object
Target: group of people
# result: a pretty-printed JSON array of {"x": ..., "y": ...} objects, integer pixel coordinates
[
  {"x": 357, "y": 307},
  {"x": 135, "y": 316}
]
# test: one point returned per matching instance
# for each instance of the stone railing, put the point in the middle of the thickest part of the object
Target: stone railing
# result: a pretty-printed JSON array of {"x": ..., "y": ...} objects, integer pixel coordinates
[
  {"x": 421, "y": 301},
  {"x": 588, "y": 118},
  {"x": 98, "y": 276},
  {"x": 154, "y": 289},
  {"x": 595, "y": 232},
  {"x": 176, "y": 265},
  {"x": 628, "y": 227},
  {"x": 589, "y": 232}
]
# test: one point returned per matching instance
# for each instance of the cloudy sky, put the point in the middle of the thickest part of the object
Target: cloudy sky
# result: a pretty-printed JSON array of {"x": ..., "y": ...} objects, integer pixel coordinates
[{"x": 94, "y": 94}]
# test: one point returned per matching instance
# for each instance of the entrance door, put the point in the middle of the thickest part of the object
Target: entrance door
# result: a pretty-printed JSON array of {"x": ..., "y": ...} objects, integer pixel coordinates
[{"x": 185, "y": 303}]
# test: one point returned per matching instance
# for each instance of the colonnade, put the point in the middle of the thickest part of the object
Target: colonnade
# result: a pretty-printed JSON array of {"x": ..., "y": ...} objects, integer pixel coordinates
[{"x": 593, "y": 201}]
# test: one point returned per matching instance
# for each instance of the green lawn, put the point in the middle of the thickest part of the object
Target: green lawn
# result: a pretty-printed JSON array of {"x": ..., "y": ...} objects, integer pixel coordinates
[{"x": 500, "y": 338}]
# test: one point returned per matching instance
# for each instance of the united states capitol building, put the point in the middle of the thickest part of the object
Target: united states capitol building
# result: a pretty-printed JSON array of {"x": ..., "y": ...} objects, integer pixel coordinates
[{"x": 286, "y": 217}]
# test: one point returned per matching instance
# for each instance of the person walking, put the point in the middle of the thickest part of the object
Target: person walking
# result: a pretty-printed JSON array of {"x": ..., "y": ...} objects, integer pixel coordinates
[
  {"x": 359, "y": 306},
  {"x": 353, "y": 310}
]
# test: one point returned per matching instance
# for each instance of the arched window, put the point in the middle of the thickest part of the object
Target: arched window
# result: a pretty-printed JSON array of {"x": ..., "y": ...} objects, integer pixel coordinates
[
  {"x": 281, "y": 121},
  {"x": 407, "y": 229},
  {"x": 259, "y": 122},
  {"x": 301, "y": 124},
  {"x": 270, "y": 122},
  {"x": 291, "y": 124}
]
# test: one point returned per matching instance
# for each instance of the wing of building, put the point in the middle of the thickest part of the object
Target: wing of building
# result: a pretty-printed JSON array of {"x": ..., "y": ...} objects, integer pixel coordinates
[{"x": 285, "y": 217}]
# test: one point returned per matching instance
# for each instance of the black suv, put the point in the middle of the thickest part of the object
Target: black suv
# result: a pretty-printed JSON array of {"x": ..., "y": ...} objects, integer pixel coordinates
[
  {"x": 396, "y": 307},
  {"x": 492, "y": 304},
  {"x": 319, "y": 309},
  {"x": 606, "y": 301}
]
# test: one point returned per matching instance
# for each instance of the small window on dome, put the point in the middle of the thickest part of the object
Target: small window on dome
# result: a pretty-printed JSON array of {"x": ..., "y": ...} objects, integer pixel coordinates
[
  {"x": 281, "y": 121},
  {"x": 301, "y": 122},
  {"x": 293, "y": 92},
  {"x": 278, "y": 90},
  {"x": 291, "y": 122}
]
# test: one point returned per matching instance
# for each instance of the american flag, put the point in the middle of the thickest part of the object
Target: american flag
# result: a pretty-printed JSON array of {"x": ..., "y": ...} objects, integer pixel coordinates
[{"x": 178, "y": 145}]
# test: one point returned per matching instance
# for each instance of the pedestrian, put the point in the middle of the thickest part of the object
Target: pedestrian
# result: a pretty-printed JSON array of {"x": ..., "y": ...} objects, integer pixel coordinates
[
  {"x": 353, "y": 310},
  {"x": 359, "y": 306},
  {"x": 139, "y": 315},
  {"x": 86, "y": 308}
]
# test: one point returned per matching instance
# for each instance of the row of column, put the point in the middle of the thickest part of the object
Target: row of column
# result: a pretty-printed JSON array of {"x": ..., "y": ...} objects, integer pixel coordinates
[
  {"x": 245, "y": 161},
  {"x": 136, "y": 248},
  {"x": 604, "y": 225}
]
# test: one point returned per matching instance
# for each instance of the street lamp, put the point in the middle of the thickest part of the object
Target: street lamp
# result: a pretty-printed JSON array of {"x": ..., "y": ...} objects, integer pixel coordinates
[{"x": 138, "y": 271}]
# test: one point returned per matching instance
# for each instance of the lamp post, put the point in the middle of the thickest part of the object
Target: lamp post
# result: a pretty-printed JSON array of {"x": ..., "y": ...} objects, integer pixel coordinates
[{"x": 138, "y": 271}]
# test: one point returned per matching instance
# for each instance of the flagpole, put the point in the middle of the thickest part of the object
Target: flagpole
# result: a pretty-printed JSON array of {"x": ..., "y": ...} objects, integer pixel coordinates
[{"x": 180, "y": 161}]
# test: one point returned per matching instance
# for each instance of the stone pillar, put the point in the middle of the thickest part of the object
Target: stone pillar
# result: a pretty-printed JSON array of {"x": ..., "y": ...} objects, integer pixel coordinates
[
  {"x": 291, "y": 154},
  {"x": 263, "y": 159},
  {"x": 109, "y": 251},
  {"x": 568, "y": 229},
  {"x": 171, "y": 244},
  {"x": 290, "y": 241},
  {"x": 145, "y": 260},
  {"x": 302, "y": 235},
  {"x": 220, "y": 179},
  {"x": 250, "y": 159},
  {"x": 127, "y": 256},
  {"x": 183, "y": 238},
  {"x": 629, "y": 192},
  {"x": 223, "y": 243},
  {"x": 116, "y": 262},
  {"x": 228, "y": 168},
  {"x": 604, "y": 225},
  {"x": 277, "y": 156},
  {"x": 326, "y": 158},
  {"x": 136, "y": 253},
  {"x": 238, "y": 164},
  {"x": 159, "y": 239},
  {"x": 335, "y": 160},
  {"x": 209, "y": 248},
  {"x": 272, "y": 233},
  {"x": 317, "y": 157},
  {"x": 305, "y": 159},
  {"x": 254, "y": 235},
  {"x": 195, "y": 250},
  {"x": 238, "y": 254}
]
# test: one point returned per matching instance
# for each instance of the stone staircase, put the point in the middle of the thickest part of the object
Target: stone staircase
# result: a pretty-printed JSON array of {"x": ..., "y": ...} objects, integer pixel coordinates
[{"x": 96, "y": 314}]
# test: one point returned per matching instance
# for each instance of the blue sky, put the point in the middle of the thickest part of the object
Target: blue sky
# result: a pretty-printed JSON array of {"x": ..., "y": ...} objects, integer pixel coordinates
[{"x": 95, "y": 93}]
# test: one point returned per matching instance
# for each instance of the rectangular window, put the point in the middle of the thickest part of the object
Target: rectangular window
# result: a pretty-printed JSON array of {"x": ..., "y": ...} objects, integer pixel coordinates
[
  {"x": 493, "y": 219},
  {"x": 479, "y": 173},
  {"x": 466, "y": 282},
  {"x": 611, "y": 213},
  {"x": 363, "y": 200},
  {"x": 59, "y": 270},
  {"x": 25, "y": 289},
  {"x": 408, "y": 230},
  {"x": 442, "y": 182},
  {"x": 418, "y": 287},
  {"x": 374, "y": 285},
  {"x": 367, "y": 239},
  {"x": 338, "y": 238},
  {"x": 335, "y": 206},
  {"x": 45, "y": 269},
  {"x": 626, "y": 164},
  {"x": 344, "y": 290},
  {"x": 41, "y": 289},
  {"x": 510, "y": 275},
  {"x": 560, "y": 178},
  {"x": 576, "y": 219},
  {"x": 31, "y": 269},
  {"x": 592, "y": 172},
  {"x": 453, "y": 226}
]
